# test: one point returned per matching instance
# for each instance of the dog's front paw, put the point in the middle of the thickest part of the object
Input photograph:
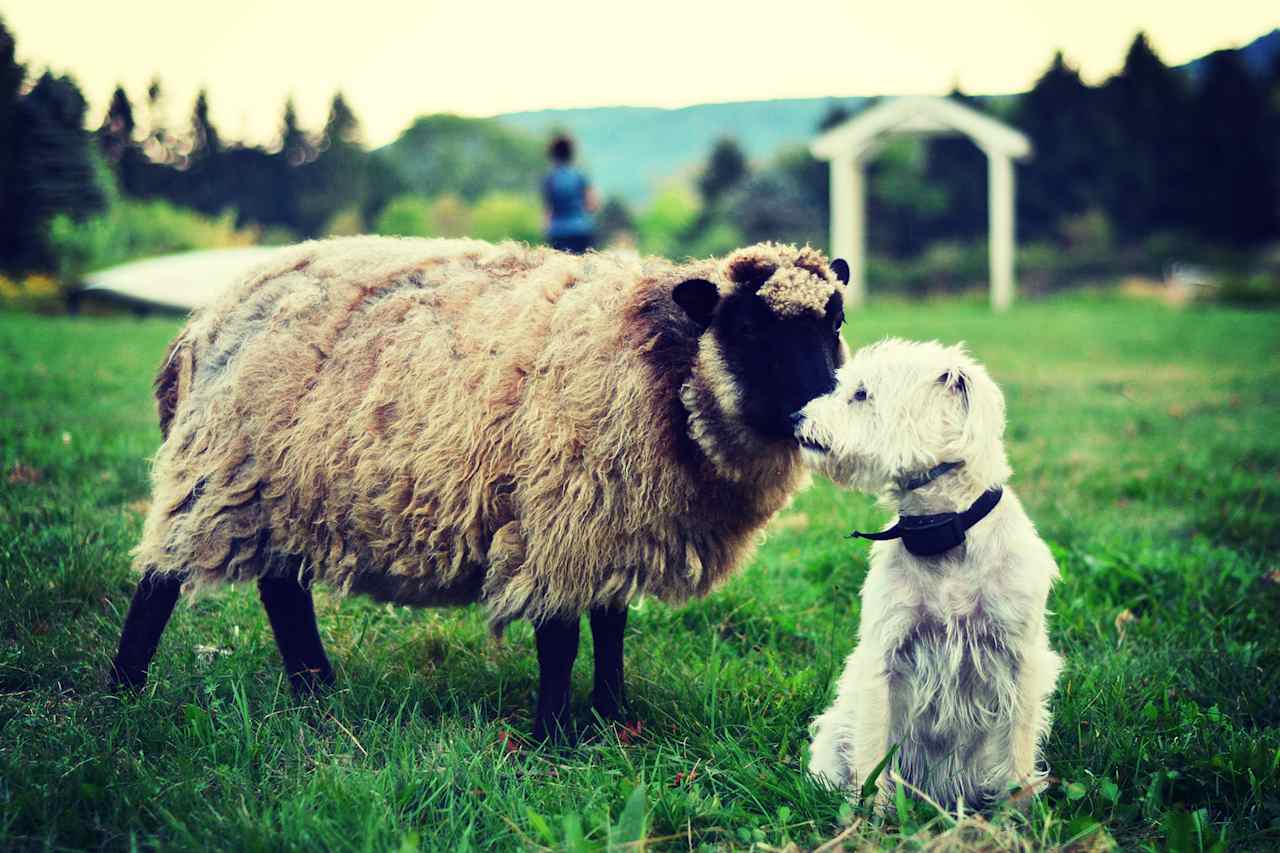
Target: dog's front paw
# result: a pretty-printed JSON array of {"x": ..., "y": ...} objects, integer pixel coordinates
[{"x": 828, "y": 763}]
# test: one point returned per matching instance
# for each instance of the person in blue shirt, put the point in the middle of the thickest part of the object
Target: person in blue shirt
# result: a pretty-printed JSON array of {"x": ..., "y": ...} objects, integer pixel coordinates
[{"x": 569, "y": 200}]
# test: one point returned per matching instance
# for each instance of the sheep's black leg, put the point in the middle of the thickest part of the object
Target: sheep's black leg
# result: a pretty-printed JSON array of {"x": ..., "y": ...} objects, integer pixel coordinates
[
  {"x": 149, "y": 612},
  {"x": 293, "y": 620},
  {"x": 557, "y": 641},
  {"x": 607, "y": 626}
]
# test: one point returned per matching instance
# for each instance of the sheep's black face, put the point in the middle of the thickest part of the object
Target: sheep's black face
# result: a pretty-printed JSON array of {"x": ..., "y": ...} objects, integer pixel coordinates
[
  {"x": 778, "y": 363},
  {"x": 775, "y": 359}
]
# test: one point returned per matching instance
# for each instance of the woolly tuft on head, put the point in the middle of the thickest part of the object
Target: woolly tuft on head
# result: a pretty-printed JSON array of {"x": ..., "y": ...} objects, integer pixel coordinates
[
  {"x": 791, "y": 281},
  {"x": 792, "y": 292}
]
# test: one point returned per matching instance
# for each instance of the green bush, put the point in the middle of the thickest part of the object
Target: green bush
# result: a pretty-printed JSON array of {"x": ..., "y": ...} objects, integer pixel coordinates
[
  {"x": 719, "y": 238},
  {"x": 507, "y": 216},
  {"x": 1255, "y": 290},
  {"x": 662, "y": 227},
  {"x": 405, "y": 216},
  {"x": 33, "y": 292},
  {"x": 449, "y": 217},
  {"x": 345, "y": 223},
  {"x": 413, "y": 215},
  {"x": 131, "y": 229}
]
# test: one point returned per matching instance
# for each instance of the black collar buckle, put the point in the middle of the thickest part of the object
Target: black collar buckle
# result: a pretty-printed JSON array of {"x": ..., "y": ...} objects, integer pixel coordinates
[{"x": 931, "y": 535}]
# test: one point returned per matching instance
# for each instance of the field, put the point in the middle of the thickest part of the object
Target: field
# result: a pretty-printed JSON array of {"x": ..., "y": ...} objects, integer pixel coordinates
[{"x": 1147, "y": 448}]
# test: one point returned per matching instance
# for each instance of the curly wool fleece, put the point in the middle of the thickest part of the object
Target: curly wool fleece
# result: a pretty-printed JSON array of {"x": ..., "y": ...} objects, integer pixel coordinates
[{"x": 436, "y": 422}]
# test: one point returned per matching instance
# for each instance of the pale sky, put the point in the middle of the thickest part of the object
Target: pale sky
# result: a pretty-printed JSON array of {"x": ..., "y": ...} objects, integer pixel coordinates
[{"x": 395, "y": 60}]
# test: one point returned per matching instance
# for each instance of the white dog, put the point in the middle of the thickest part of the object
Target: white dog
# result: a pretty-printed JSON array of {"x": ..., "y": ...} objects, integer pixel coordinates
[{"x": 953, "y": 663}]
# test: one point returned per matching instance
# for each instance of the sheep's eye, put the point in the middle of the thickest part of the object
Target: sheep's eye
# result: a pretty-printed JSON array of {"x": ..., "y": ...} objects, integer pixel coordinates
[{"x": 860, "y": 395}]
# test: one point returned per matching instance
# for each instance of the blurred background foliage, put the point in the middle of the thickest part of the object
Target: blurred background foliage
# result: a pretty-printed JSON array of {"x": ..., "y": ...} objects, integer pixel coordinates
[{"x": 1154, "y": 169}]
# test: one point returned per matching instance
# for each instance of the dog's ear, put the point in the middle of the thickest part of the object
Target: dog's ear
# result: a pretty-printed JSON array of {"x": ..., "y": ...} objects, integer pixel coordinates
[
  {"x": 698, "y": 298},
  {"x": 841, "y": 268},
  {"x": 983, "y": 412},
  {"x": 957, "y": 383}
]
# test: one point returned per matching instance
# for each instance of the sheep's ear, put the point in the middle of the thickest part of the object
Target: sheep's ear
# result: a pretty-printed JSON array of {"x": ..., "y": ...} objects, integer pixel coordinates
[
  {"x": 841, "y": 268},
  {"x": 698, "y": 298}
]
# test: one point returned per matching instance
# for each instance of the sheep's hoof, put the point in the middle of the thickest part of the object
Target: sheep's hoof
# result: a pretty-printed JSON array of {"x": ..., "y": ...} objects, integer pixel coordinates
[
  {"x": 307, "y": 683},
  {"x": 125, "y": 678},
  {"x": 609, "y": 708},
  {"x": 554, "y": 733}
]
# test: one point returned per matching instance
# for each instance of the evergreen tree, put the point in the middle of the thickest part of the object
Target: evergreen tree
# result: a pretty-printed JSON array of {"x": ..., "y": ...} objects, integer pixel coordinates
[
  {"x": 726, "y": 168},
  {"x": 115, "y": 135},
  {"x": 203, "y": 185},
  {"x": 1148, "y": 155},
  {"x": 383, "y": 182},
  {"x": 55, "y": 169},
  {"x": 773, "y": 205},
  {"x": 1235, "y": 180},
  {"x": 254, "y": 184},
  {"x": 295, "y": 145},
  {"x": 11, "y": 76},
  {"x": 205, "y": 141},
  {"x": 334, "y": 181},
  {"x": 158, "y": 144},
  {"x": 118, "y": 144},
  {"x": 1271, "y": 130},
  {"x": 157, "y": 174},
  {"x": 1065, "y": 176},
  {"x": 342, "y": 127}
]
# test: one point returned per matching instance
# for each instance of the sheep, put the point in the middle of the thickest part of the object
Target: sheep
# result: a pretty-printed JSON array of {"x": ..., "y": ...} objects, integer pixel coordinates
[{"x": 443, "y": 422}]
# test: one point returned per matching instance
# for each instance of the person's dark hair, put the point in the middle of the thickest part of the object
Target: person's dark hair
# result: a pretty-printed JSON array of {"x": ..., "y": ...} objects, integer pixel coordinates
[{"x": 561, "y": 148}]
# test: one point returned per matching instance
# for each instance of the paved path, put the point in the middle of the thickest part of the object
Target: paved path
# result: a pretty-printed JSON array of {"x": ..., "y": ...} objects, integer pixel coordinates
[{"x": 184, "y": 281}]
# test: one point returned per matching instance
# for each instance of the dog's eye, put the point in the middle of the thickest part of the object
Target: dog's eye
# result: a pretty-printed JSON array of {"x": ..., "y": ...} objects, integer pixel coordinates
[{"x": 860, "y": 395}]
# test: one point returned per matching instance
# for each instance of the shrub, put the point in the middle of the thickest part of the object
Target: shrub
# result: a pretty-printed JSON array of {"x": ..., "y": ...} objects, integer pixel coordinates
[
  {"x": 414, "y": 216},
  {"x": 507, "y": 216},
  {"x": 719, "y": 238},
  {"x": 345, "y": 223},
  {"x": 663, "y": 226},
  {"x": 137, "y": 229},
  {"x": 1259, "y": 289},
  {"x": 450, "y": 217},
  {"x": 32, "y": 292},
  {"x": 405, "y": 216}
]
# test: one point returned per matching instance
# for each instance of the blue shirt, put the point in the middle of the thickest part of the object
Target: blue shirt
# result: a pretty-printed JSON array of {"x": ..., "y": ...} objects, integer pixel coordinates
[{"x": 564, "y": 191}]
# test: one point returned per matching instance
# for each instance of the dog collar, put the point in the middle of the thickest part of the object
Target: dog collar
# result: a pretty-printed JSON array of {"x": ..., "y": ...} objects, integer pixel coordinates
[
  {"x": 930, "y": 535},
  {"x": 911, "y": 483}
]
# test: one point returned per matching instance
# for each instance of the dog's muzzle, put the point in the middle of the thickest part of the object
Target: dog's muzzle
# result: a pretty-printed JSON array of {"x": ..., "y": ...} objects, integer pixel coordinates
[{"x": 807, "y": 442}]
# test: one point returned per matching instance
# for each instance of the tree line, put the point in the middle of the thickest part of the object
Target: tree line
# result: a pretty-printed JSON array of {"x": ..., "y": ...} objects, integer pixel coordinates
[
  {"x": 51, "y": 165},
  {"x": 1151, "y": 153}
]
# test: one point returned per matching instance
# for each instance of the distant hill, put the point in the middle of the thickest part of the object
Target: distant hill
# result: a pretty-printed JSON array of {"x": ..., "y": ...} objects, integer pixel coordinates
[
  {"x": 465, "y": 156},
  {"x": 1259, "y": 54},
  {"x": 629, "y": 151}
]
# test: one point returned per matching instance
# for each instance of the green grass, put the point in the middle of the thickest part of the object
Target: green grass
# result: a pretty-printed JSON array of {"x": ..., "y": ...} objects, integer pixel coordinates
[{"x": 1147, "y": 446}]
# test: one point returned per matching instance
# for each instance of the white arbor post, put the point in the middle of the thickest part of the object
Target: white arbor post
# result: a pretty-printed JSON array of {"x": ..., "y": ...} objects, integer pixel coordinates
[
  {"x": 848, "y": 221},
  {"x": 848, "y": 146},
  {"x": 1000, "y": 204}
]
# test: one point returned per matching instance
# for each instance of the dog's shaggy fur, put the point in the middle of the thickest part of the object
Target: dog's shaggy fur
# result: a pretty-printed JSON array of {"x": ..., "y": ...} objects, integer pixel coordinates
[
  {"x": 436, "y": 422},
  {"x": 953, "y": 661}
]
